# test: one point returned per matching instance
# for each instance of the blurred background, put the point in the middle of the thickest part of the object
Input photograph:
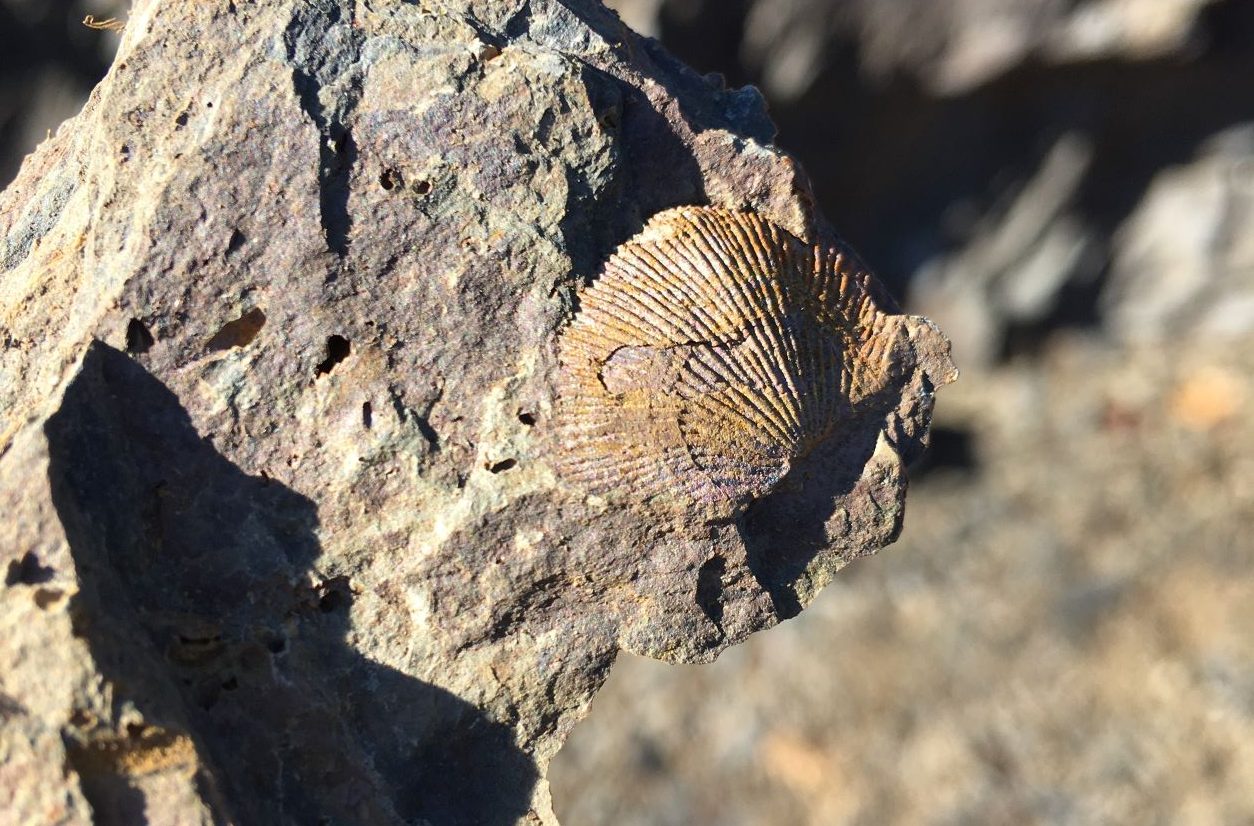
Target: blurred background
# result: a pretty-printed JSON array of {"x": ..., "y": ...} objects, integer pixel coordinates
[{"x": 1065, "y": 631}]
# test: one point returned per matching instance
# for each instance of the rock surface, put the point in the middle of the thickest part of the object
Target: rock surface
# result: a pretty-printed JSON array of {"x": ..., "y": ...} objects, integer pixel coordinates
[{"x": 283, "y": 540}]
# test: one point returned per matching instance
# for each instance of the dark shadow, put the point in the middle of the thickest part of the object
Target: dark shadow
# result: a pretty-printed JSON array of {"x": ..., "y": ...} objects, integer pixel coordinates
[
  {"x": 950, "y": 450},
  {"x": 28, "y": 571},
  {"x": 785, "y": 530},
  {"x": 202, "y": 608},
  {"x": 655, "y": 170}
]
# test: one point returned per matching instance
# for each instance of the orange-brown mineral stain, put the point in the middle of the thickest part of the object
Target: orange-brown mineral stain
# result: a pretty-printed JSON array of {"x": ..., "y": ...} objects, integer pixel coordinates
[{"x": 714, "y": 349}]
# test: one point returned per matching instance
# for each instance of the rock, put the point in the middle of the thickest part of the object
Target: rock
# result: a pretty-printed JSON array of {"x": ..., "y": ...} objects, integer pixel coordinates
[
  {"x": 1184, "y": 260},
  {"x": 284, "y": 539},
  {"x": 949, "y": 47},
  {"x": 1018, "y": 261}
]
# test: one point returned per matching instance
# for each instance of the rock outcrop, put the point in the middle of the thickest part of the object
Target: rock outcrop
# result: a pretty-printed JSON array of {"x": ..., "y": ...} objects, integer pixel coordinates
[{"x": 284, "y": 539}]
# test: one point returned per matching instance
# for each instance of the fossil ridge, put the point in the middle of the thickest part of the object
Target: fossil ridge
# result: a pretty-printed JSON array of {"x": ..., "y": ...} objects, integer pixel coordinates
[{"x": 713, "y": 351}]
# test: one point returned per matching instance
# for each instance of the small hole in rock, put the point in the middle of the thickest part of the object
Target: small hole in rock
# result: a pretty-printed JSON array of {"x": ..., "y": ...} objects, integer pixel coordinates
[
  {"x": 502, "y": 466},
  {"x": 238, "y": 333},
  {"x": 138, "y": 338},
  {"x": 230, "y": 684},
  {"x": 422, "y": 187},
  {"x": 181, "y": 120},
  {"x": 276, "y": 644},
  {"x": 27, "y": 571},
  {"x": 390, "y": 179},
  {"x": 526, "y": 418},
  {"x": 338, "y": 349},
  {"x": 329, "y": 601},
  {"x": 236, "y": 241},
  {"x": 367, "y": 415},
  {"x": 710, "y": 588},
  {"x": 47, "y": 596}
]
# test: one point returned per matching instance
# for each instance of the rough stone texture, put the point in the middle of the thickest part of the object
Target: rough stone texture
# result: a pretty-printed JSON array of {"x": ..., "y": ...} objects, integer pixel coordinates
[{"x": 282, "y": 537}]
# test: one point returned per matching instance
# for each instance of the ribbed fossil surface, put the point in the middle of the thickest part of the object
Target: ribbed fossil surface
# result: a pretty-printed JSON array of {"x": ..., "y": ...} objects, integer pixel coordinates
[{"x": 713, "y": 350}]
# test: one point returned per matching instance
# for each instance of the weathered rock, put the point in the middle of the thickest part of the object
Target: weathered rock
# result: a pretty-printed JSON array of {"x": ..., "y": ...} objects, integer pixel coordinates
[
  {"x": 1184, "y": 261},
  {"x": 282, "y": 531}
]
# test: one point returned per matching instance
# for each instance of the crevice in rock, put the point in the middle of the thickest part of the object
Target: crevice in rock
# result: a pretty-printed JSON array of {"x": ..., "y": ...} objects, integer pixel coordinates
[
  {"x": 519, "y": 24},
  {"x": 420, "y": 421},
  {"x": 324, "y": 47},
  {"x": 27, "y": 571},
  {"x": 390, "y": 179},
  {"x": 338, "y": 349},
  {"x": 138, "y": 338},
  {"x": 235, "y": 242},
  {"x": 502, "y": 466},
  {"x": 710, "y": 589}
]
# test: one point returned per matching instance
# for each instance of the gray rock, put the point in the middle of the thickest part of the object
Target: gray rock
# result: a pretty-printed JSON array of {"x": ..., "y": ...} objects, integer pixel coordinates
[
  {"x": 950, "y": 47},
  {"x": 1184, "y": 260},
  {"x": 283, "y": 539}
]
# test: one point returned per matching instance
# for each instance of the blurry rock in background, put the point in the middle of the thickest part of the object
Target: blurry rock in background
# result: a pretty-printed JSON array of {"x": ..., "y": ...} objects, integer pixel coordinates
[
  {"x": 1062, "y": 633},
  {"x": 1184, "y": 259},
  {"x": 950, "y": 47}
]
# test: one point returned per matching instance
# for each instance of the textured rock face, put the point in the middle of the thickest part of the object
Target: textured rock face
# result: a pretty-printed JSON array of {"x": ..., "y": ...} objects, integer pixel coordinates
[{"x": 283, "y": 536}]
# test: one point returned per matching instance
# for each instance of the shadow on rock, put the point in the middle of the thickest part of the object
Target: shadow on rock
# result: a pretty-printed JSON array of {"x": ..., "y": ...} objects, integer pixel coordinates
[
  {"x": 806, "y": 515},
  {"x": 204, "y": 612}
]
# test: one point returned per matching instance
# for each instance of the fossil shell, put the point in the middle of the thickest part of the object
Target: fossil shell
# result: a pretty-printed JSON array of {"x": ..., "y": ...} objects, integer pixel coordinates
[{"x": 714, "y": 349}]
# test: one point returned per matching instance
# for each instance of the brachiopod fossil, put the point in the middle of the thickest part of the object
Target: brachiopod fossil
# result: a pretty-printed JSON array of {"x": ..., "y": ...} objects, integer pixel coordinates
[{"x": 715, "y": 349}]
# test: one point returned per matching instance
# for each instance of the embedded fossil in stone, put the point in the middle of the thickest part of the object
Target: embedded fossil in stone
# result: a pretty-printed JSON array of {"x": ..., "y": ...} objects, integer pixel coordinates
[{"x": 715, "y": 349}]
